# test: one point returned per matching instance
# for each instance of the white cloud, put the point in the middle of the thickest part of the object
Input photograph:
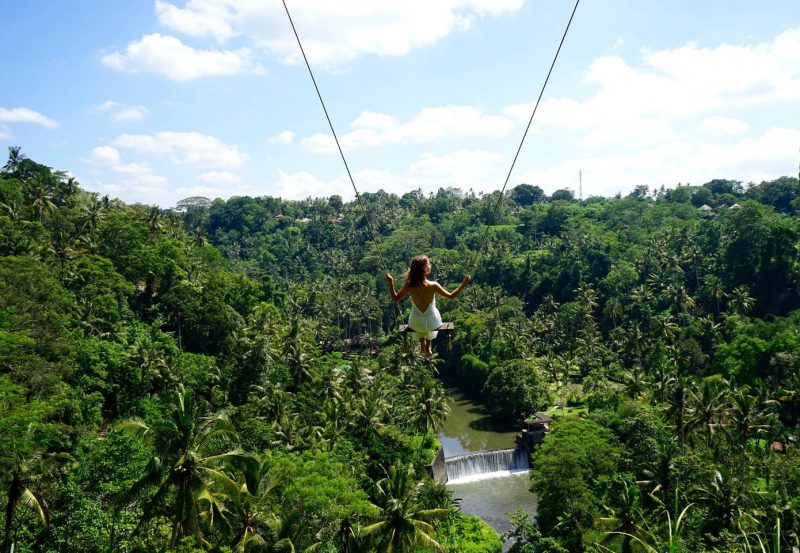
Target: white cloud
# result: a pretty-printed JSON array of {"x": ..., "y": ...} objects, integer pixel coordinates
[
  {"x": 25, "y": 115},
  {"x": 465, "y": 169},
  {"x": 168, "y": 56},
  {"x": 209, "y": 19},
  {"x": 105, "y": 156},
  {"x": 764, "y": 157},
  {"x": 121, "y": 113},
  {"x": 147, "y": 189},
  {"x": 303, "y": 184},
  {"x": 135, "y": 174},
  {"x": 670, "y": 86},
  {"x": 222, "y": 177},
  {"x": 371, "y": 129},
  {"x": 476, "y": 169},
  {"x": 332, "y": 32},
  {"x": 5, "y": 132},
  {"x": 134, "y": 183},
  {"x": 184, "y": 148},
  {"x": 285, "y": 137},
  {"x": 723, "y": 126},
  {"x": 141, "y": 170},
  {"x": 145, "y": 182}
]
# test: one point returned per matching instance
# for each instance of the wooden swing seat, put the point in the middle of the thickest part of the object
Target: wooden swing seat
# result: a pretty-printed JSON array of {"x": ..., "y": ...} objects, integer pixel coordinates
[{"x": 446, "y": 327}]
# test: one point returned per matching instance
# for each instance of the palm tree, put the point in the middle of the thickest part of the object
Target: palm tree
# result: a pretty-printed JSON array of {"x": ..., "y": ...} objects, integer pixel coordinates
[
  {"x": 652, "y": 539},
  {"x": 284, "y": 532},
  {"x": 155, "y": 222},
  {"x": 371, "y": 408},
  {"x": 635, "y": 382},
  {"x": 64, "y": 190},
  {"x": 191, "y": 465},
  {"x": 15, "y": 157},
  {"x": 728, "y": 502},
  {"x": 403, "y": 527},
  {"x": 613, "y": 310},
  {"x": 289, "y": 432},
  {"x": 431, "y": 408},
  {"x": 586, "y": 297},
  {"x": 14, "y": 211},
  {"x": 62, "y": 247},
  {"x": 336, "y": 422},
  {"x": 706, "y": 406},
  {"x": 297, "y": 360},
  {"x": 666, "y": 326},
  {"x": 93, "y": 213},
  {"x": 662, "y": 384},
  {"x": 201, "y": 239},
  {"x": 716, "y": 289},
  {"x": 660, "y": 479},
  {"x": 90, "y": 244},
  {"x": 41, "y": 199},
  {"x": 21, "y": 490},
  {"x": 623, "y": 518},
  {"x": 749, "y": 417},
  {"x": 678, "y": 407},
  {"x": 255, "y": 529},
  {"x": 635, "y": 340},
  {"x": 740, "y": 300},
  {"x": 149, "y": 358}
]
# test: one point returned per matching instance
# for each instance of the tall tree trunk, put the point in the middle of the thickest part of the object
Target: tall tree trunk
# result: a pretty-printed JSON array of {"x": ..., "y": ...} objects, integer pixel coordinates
[{"x": 14, "y": 493}]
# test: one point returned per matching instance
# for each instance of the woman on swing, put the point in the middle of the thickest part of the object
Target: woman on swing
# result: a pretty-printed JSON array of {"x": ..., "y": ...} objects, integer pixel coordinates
[{"x": 425, "y": 318}]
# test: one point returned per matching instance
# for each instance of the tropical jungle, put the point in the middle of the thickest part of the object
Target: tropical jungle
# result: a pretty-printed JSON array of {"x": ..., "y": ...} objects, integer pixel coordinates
[{"x": 229, "y": 375}]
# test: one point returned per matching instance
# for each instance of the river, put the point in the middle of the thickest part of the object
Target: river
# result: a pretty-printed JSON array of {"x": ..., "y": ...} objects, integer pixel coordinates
[{"x": 467, "y": 429}]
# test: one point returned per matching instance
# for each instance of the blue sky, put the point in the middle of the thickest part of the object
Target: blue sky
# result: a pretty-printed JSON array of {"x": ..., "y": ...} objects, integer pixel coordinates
[{"x": 157, "y": 101}]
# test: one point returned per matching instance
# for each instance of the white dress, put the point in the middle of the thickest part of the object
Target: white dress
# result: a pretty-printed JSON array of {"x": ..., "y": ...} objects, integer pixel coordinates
[{"x": 425, "y": 323}]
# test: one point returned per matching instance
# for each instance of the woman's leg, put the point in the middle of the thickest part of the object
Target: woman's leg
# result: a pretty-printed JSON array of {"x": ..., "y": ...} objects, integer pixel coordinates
[{"x": 422, "y": 348}]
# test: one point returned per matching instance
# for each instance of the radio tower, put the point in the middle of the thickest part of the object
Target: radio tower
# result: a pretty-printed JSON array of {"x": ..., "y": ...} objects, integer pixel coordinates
[{"x": 580, "y": 184}]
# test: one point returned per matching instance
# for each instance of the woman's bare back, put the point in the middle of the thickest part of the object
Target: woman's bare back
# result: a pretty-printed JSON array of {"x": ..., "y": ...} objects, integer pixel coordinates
[{"x": 423, "y": 295}]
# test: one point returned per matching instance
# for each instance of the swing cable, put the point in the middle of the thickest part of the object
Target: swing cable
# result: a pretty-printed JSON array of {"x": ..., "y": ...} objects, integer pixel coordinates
[
  {"x": 521, "y": 142},
  {"x": 339, "y": 147}
]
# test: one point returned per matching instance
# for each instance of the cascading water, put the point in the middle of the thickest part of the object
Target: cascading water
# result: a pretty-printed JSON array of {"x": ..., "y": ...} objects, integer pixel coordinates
[{"x": 486, "y": 464}]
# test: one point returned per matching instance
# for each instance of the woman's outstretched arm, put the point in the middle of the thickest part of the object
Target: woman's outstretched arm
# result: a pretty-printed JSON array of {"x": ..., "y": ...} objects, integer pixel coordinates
[
  {"x": 455, "y": 293},
  {"x": 400, "y": 294}
]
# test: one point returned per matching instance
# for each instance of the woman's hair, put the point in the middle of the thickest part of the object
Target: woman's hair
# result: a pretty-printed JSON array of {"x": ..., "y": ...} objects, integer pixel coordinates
[{"x": 415, "y": 275}]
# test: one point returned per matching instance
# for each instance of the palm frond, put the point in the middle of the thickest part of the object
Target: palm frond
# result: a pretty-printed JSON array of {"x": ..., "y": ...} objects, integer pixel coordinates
[{"x": 36, "y": 502}]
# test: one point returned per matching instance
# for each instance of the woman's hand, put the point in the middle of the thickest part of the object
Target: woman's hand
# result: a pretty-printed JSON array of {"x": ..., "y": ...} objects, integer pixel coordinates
[
  {"x": 389, "y": 278},
  {"x": 467, "y": 280}
]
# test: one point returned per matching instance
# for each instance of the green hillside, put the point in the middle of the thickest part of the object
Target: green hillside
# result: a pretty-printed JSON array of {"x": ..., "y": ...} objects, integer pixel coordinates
[{"x": 181, "y": 379}]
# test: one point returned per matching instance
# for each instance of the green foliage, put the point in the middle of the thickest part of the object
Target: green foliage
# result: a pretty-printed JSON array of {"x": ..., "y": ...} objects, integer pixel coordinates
[
  {"x": 516, "y": 389},
  {"x": 566, "y": 469},
  {"x": 32, "y": 301},
  {"x": 525, "y": 536},
  {"x": 675, "y": 329},
  {"x": 467, "y": 534},
  {"x": 323, "y": 489},
  {"x": 641, "y": 431}
]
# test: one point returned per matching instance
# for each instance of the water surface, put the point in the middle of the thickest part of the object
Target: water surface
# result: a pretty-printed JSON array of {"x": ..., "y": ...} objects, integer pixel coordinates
[
  {"x": 467, "y": 429},
  {"x": 491, "y": 499}
]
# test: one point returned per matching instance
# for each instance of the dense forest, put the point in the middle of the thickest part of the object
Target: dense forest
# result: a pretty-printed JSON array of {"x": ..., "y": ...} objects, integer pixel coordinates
[{"x": 185, "y": 379}]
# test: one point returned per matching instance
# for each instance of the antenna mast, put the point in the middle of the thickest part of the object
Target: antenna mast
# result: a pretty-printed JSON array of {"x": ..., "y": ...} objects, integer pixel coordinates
[{"x": 580, "y": 184}]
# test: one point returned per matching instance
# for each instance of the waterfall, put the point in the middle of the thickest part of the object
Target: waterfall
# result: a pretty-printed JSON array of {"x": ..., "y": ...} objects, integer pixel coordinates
[{"x": 486, "y": 464}]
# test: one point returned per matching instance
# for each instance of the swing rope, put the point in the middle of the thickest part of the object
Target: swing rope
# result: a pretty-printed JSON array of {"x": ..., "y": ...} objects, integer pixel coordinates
[
  {"x": 521, "y": 142},
  {"x": 510, "y": 170},
  {"x": 335, "y": 136},
  {"x": 341, "y": 152}
]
